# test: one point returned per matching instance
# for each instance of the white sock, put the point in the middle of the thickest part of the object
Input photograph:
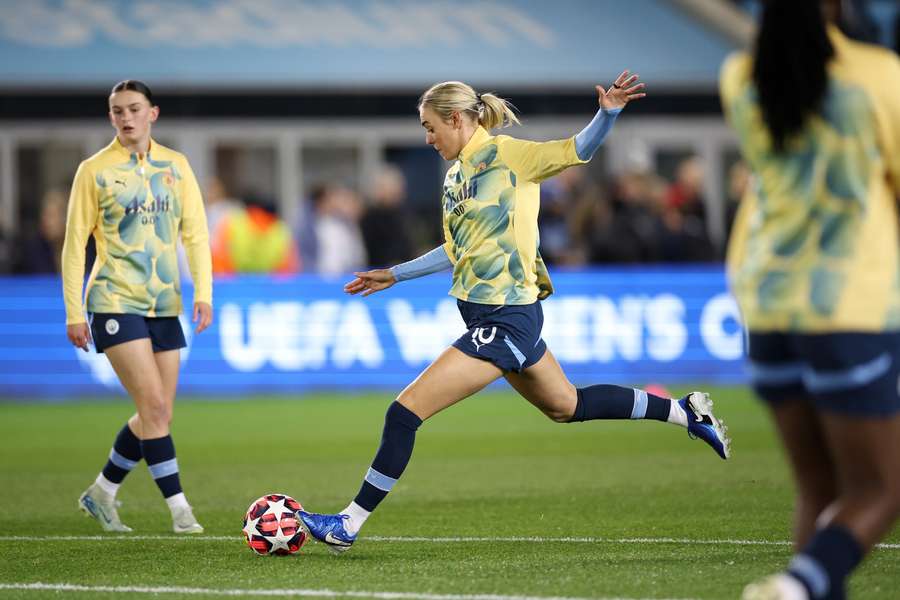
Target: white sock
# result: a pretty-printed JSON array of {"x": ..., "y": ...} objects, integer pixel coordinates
[
  {"x": 106, "y": 485},
  {"x": 358, "y": 516},
  {"x": 677, "y": 416},
  {"x": 177, "y": 501}
]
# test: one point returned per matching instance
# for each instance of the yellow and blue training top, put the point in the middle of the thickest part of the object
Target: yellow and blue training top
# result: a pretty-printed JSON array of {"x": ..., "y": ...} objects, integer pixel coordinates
[
  {"x": 815, "y": 245},
  {"x": 490, "y": 202},
  {"x": 135, "y": 207}
]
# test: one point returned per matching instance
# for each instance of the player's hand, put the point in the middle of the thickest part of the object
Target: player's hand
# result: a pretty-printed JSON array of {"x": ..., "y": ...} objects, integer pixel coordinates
[
  {"x": 625, "y": 89},
  {"x": 203, "y": 316},
  {"x": 369, "y": 282},
  {"x": 79, "y": 334}
]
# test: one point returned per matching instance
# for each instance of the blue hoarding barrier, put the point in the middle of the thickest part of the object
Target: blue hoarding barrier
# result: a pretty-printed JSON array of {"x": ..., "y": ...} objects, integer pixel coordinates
[{"x": 292, "y": 335}]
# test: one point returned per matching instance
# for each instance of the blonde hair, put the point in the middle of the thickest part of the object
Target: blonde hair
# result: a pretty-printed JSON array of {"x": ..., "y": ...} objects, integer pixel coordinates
[{"x": 489, "y": 110}]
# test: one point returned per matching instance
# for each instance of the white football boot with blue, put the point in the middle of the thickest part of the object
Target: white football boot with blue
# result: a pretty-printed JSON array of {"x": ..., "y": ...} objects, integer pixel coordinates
[
  {"x": 100, "y": 505},
  {"x": 328, "y": 529},
  {"x": 703, "y": 424},
  {"x": 184, "y": 521}
]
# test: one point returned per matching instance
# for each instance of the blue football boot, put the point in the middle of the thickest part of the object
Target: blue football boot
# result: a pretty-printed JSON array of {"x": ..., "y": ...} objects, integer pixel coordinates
[
  {"x": 328, "y": 529},
  {"x": 703, "y": 424}
]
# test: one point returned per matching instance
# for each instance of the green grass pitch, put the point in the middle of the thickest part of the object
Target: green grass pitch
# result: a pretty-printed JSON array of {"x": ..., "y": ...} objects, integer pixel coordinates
[{"x": 493, "y": 492}]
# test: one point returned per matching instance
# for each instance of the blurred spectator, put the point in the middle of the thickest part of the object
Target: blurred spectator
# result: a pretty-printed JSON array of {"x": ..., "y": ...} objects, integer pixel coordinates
[
  {"x": 385, "y": 226},
  {"x": 41, "y": 250},
  {"x": 253, "y": 240},
  {"x": 686, "y": 193},
  {"x": 6, "y": 253},
  {"x": 559, "y": 198},
  {"x": 626, "y": 228},
  {"x": 686, "y": 236},
  {"x": 219, "y": 203},
  {"x": 591, "y": 224},
  {"x": 643, "y": 220},
  {"x": 305, "y": 231},
  {"x": 340, "y": 247},
  {"x": 683, "y": 238}
]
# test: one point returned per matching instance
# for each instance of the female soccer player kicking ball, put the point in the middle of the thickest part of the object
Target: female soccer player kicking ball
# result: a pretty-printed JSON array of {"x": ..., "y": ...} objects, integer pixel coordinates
[{"x": 490, "y": 215}]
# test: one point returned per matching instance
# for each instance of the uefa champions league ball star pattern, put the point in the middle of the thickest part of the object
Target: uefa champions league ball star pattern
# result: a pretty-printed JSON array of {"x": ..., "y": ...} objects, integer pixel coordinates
[{"x": 271, "y": 525}]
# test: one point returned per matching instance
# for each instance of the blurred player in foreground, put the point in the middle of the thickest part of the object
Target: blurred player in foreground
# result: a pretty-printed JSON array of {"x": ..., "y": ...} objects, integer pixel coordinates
[{"x": 813, "y": 261}]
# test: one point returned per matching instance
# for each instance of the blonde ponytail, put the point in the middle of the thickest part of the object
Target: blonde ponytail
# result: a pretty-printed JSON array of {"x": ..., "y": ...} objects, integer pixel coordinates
[
  {"x": 489, "y": 110},
  {"x": 496, "y": 112}
]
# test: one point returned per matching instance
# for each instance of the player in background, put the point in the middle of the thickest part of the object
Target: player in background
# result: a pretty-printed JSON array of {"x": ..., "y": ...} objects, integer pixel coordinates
[
  {"x": 135, "y": 197},
  {"x": 813, "y": 262},
  {"x": 490, "y": 211}
]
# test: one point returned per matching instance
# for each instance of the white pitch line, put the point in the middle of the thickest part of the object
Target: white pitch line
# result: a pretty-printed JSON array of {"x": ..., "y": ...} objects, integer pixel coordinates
[
  {"x": 325, "y": 593},
  {"x": 580, "y": 540},
  {"x": 431, "y": 540},
  {"x": 119, "y": 538}
]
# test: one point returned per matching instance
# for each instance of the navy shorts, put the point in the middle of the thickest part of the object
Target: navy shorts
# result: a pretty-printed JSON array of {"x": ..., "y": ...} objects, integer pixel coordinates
[
  {"x": 109, "y": 329},
  {"x": 508, "y": 336},
  {"x": 852, "y": 373}
]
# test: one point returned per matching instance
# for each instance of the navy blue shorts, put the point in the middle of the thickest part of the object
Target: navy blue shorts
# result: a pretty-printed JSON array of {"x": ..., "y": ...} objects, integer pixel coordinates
[
  {"x": 851, "y": 373},
  {"x": 109, "y": 329},
  {"x": 508, "y": 336}
]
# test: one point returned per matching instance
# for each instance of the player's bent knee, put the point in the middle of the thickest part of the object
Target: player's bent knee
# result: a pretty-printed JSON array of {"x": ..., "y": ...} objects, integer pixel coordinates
[
  {"x": 559, "y": 414},
  {"x": 400, "y": 418},
  {"x": 411, "y": 401},
  {"x": 563, "y": 408},
  {"x": 558, "y": 417},
  {"x": 562, "y": 405},
  {"x": 155, "y": 411}
]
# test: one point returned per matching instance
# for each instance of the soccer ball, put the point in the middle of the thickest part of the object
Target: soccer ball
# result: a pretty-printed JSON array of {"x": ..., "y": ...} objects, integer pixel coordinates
[{"x": 271, "y": 525}]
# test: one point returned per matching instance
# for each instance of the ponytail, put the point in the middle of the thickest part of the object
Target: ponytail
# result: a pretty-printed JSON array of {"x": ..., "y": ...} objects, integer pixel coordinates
[
  {"x": 496, "y": 112},
  {"x": 489, "y": 110}
]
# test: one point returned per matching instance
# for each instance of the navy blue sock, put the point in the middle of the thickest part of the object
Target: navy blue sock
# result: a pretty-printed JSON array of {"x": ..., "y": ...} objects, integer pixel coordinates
[
  {"x": 826, "y": 561},
  {"x": 393, "y": 455},
  {"x": 160, "y": 456},
  {"x": 615, "y": 402},
  {"x": 124, "y": 456}
]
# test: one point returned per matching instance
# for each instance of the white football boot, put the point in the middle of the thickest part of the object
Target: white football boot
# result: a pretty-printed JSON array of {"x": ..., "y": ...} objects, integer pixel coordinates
[
  {"x": 183, "y": 521},
  {"x": 776, "y": 587},
  {"x": 100, "y": 505}
]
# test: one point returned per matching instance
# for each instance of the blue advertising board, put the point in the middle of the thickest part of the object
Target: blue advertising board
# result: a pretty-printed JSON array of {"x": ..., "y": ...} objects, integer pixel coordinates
[{"x": 292, "y": 335}]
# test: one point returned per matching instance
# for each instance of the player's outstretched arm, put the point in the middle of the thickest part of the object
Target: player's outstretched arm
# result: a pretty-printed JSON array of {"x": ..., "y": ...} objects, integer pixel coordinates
[
  {"x": 625, "y": 89},
  {"x": 369, "y": 282}
]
